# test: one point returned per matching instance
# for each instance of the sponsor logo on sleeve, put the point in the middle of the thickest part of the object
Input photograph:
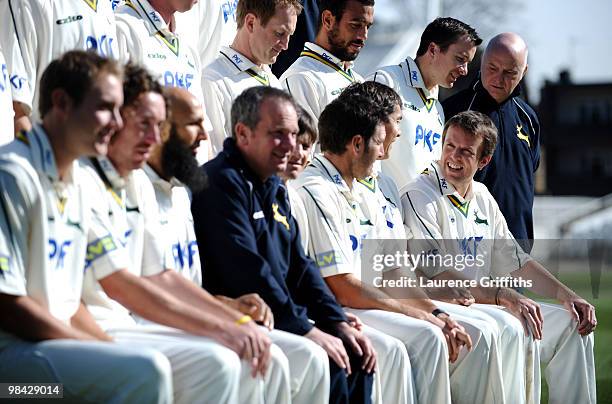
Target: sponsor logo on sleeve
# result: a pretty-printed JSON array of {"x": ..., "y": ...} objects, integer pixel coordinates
[
  {"x": 328, "y": 258},
  {"x": 99, "y": 248}
]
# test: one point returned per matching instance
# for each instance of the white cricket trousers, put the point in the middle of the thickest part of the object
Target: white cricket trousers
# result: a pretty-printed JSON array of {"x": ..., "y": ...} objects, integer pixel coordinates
[
  {"x": 91, "y": 372},
  {"x": 308, "y": 367},
  {"x": 204, "y": 371},
  {"x": 569, "y": 367},
  {"x": 426, "y": 347}
]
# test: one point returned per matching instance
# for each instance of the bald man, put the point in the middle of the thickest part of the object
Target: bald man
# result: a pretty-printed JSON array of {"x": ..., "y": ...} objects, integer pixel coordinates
[{"x": 510, "y": 174}]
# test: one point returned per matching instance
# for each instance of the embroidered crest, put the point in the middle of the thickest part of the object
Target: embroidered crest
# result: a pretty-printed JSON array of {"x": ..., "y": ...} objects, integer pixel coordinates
[
  {"x": 278, "y": 217},
  {"x": 521, "y": 135},
  {"x": 478, "y": 220}
]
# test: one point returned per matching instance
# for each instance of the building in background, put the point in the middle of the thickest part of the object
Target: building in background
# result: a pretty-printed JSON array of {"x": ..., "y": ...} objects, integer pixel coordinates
[{"x": 577, "y": 136}]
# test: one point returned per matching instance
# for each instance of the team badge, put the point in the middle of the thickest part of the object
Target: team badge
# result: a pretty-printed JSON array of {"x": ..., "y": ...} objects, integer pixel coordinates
[
  {"x": 279, "y": 217},
  {"x": 478, "y": 220},
  {"x": 521, "y": 135}
]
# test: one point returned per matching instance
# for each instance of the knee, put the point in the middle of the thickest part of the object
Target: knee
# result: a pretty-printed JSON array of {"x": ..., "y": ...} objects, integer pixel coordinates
[
  {"x": 150, "y": 373},
  {"x": 226, "y": 363}
]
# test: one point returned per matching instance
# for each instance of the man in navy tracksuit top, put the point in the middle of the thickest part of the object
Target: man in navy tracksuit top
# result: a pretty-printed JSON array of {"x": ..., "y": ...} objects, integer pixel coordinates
[
  {"x": 510, "y": 174},
  {"x": 248, "y": 239}
]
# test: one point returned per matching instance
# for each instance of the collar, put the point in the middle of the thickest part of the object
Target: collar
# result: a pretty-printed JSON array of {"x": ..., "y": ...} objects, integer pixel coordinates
[
  {"x": 445, "y": 187},
  {"x": 152, "y": 19},
  {"x": 333, "y": 175},
  {"x": 326, "y": 55},
  {"x": 244, "y": 64},
  {"x": 109, "y": 174},
  {"x": 43, "y": 159},
  {"x": 414, "y": 78},
  {"x": 159, "y": 182}
]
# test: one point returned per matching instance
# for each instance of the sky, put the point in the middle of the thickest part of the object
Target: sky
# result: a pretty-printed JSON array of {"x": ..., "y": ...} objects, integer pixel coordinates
[{"x": 566, "y": 34}]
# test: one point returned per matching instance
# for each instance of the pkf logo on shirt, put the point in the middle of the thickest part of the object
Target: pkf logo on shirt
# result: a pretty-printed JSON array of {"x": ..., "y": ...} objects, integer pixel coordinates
[
  {"x": 337, "y": 179},
  {"x": 414, "y": 76},
  {"x": 236, "y": 59},
  {"x": 443, "y": 183},
  {"x": 229, "y": 10}
]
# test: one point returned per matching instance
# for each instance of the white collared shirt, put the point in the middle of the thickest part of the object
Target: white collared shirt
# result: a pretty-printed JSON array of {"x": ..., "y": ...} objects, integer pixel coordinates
[
  {"x": 6, "y": 103},
  {"x": 223, "y": 81},
  {"x": 298, "y": 211},
  {"x": 209, "y": 25},
  {"x": 316, "y": 78},
  {"x": 177, "y": 224},
  {"x": 46, "y": 29},
  {"x": 129, "y": 204},
  {"x": 145, "y": 38},
  {"x": 473, "y": 225},
  {"x": 335, "y": 218},
  {"x": 48, "y": 228},
  {"x": 421, "y": 126}
]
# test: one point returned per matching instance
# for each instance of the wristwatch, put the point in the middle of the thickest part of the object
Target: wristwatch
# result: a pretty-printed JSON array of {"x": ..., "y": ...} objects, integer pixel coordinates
[{"x": 437, "y": 312}]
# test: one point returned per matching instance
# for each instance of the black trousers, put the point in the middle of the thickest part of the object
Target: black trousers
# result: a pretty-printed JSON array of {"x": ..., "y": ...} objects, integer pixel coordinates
[{"x": 355, "y": 389}]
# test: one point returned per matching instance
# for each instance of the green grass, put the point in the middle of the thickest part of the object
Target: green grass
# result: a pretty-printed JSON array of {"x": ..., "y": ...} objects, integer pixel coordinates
[{"x": 581, "y": 284}]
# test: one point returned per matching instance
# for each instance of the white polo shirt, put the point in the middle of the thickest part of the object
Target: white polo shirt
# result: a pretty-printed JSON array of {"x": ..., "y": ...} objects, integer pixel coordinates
[
  {"x": 176, "y": 221},
  {"x": 46, "y": 29},
  {"x": 223, "y": 81},
  {"x": 316, "y": 78},
  {"x": 381, "y": 204},
  {"x": 335, "y": 218},
  {"x": 6, "y": 103},
  {"x": 434, "y": 210},
  {"x": 145, "y": 38},
  {"x": 208, "y": 26},
  {"x": 421, "y": 126},
  {"x": 129, "y": 204},
  {"x": 47, "y": 228}
]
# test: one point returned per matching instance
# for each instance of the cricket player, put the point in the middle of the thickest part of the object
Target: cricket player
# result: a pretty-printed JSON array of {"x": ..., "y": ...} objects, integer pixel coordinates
[
  {"x": 47, "y": 334},
  {"x": 325, "y": 67},
  {"x": 181, "y": 324},
  {"x": 447, "y": 46},
  {"x": 454, "y": 213},
  {"x": 44, "y": 30},
  {"x": 393, "y": 379},
  {"x": 264, "y": 28},
  {"x": 146, "y": 33}
]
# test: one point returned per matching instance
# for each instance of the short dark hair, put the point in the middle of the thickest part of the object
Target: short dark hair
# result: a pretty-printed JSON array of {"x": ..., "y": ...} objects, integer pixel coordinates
[
  {"x": 351, "y": 114},
  {"x": 476, "y": 124},
  {"x": 138, "y": 80},
  {"x": 307, "y": 126},
  {"x": 384, "y": 96},
  {"x": 74, "y": 72},
  {"x": 445, "y": 31},
  {"x": 263, "y": 9},
  {"x": 337, "y": 7},
  {"x": 247, "y": 105}
]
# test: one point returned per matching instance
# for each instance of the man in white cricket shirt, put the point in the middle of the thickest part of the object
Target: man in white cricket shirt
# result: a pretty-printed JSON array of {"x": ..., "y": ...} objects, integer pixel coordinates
[
  {"x": 325, "y": 67},
  {"x": 454, "y": 213},
  {"x": 47, "y": 334},
  {"x": 338, "y": 224},
  {"x": 44, "y": 30},
  {"x": 447, "y": 46},
  {"x": 264, "y": 28},
  {"x": 185, "y": 326}
]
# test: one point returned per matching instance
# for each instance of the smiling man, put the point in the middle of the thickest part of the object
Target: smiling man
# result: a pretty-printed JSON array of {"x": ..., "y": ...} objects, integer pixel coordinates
[
  {"x": 447, "y": 46},
  {"x": 264, "y": 28},
  {"x": 325, "y": 67},
  {"x": 457, "y": 215},
  {"x": 249, "y": 243},
  {"x": 510, "y": 174}
]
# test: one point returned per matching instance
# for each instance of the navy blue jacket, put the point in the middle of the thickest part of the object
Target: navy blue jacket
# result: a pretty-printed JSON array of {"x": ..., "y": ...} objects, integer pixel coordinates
[
  {"x": 509, "y": 175},
  {"x": 249, "y": 243}
]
